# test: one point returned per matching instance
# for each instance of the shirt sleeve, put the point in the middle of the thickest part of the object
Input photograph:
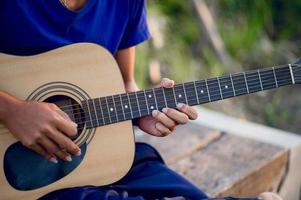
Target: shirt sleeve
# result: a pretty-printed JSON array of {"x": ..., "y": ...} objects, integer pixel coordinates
[{"x": 137, "y": 29}]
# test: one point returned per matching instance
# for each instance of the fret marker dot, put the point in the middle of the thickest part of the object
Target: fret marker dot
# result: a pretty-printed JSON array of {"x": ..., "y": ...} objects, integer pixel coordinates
[
  {"x": 202, "y": 91},
  {"x": 149, "y": 96},
  {"x": 126, "y": 106},
  {"x": 152, "y": 107},
  {"x": 111, "y": 109},
  {"x": 226, "y": 86},
  {"x": 180, "y": 95}
]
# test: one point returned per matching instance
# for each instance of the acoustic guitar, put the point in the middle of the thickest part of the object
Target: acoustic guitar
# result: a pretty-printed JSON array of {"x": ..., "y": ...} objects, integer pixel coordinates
[{"x": 84, "y": 81}]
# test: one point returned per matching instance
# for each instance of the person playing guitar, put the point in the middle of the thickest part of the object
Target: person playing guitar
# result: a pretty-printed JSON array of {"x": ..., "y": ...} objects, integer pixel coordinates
[{"x": 32, "y": 27}]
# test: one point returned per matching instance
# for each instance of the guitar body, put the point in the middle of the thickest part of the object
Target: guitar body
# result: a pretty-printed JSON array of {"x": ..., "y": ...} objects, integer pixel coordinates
[{"x": 80, "y": 71}]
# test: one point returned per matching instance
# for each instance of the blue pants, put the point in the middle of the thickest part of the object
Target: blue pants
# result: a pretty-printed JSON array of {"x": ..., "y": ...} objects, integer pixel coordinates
[{"x": 149, "y": 178}]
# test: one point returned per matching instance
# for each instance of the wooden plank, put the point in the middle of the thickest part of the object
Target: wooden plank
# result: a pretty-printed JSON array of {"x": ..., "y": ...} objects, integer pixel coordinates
[
  {"x": 247, "y": 129},
  {"x": 183, "y": 142},
  {"x": 265, "y": 178},
  {"x": 234, "y": 165}
]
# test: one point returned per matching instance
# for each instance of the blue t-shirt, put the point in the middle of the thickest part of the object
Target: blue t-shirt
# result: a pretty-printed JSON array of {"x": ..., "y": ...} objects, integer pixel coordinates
[{"x": 29, "y": 27}]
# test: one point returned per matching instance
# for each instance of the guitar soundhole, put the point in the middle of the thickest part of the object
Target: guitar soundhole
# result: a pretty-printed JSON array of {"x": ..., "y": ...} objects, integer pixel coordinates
[
  {"x": 71, "y": 108},
  {"x": 26, "y": 170}
]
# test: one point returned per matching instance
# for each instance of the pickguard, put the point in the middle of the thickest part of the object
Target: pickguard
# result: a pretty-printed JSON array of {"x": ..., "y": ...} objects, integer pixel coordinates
[{"x": 26, "y": 170}]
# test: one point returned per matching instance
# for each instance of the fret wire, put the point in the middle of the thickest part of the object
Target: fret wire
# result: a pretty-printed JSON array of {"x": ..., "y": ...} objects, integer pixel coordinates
[
  {"x": 108, "y": 110},
  {"x": 173, "y": 90},
  {"x": 112, "y": 109},
  {"x": 185, "y": 93},
  {"x": 86, "y": 113},
  {"x": 95, "y": 112},
  {"x": 142, "y": 102},
  {"x": 105, "y": 110},
  {"x": 146, "y": 102},
  {"x": 92, "y": 111},
  {"x": 89, "y": 111},
  {"x": 204, "y": 95},
  {"x": 138, "y": 104},
  {"x": 155, "y": 97},
  {"x": 164, "y": 96},
  {"x": 282, "y": 73},
  {"x": 275, "y": 76},
  {"x": 208, "y": 92},
  {"x": 130, "y": 105},
  {"x": 259, "y": 79},
  {"x": 191, "y": 94},
  {"x": 196, "y": 93},
  {"x": 179, "y": 93},
  {"x": 291, "y": 72},
  {"x": 121, "y": 103},
  {"x": 101, "y": 111},
  {"x": 267, "y": 77},
  {"x": 220, "y": 89},
  {"x": 118, "y": 107},
  {"x": 115, "y": 108},
  {"x": 246, "y": 82},
  {"x": 226, "y": 84},
  {"x": 232, "y": 85},
  {"x": 254, "y": 84},
  {"x": 126, "y": 106}
]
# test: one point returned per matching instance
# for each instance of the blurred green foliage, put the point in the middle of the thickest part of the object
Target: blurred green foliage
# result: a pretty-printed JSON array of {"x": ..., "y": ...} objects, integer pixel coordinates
[{"x": 255, "y": 33}]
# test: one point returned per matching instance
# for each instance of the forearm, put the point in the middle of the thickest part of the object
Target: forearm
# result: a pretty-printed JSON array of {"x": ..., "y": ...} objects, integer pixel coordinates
[
  {"x": 126, "y": 62},
  {"x": 6, "y": 102}
]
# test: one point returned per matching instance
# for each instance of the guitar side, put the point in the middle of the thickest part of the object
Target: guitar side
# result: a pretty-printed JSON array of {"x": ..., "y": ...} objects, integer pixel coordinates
[{"x": 83, "y": 66}]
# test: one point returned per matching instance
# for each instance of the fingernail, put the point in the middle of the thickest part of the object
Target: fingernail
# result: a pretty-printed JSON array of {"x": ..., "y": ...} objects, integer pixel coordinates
[
  {"x": 164, "y": 110},
  {"x": 180, "y": 105},
  {"x": 68, "y": 158},
  {"x": 165, "y": 79},
  {"x": 75, "y": 124},
  {"x": 155, "y": 112},
  {"x": 168, "y": 82},
  {"x": 53, "y": 160},
  {"x": 78, "y": 153}
]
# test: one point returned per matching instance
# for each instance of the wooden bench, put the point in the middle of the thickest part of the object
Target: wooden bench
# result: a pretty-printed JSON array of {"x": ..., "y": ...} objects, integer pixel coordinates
[{"x": 225, "y": 164}]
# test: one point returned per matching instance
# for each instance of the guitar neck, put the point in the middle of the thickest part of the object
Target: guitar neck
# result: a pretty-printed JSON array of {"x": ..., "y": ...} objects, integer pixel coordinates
[{"x": 126, "y": 106}]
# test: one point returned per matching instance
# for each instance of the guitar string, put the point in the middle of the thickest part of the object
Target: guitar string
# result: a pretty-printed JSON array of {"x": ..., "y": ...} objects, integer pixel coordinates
[
  {"x": 248, "y": 73},
  {"x": 123, "y": 119},
  {"x": 296, "y": 69},
  {"x": 241, "y": 82},
  {"x": 202, "y": 99},
  {"x": 105, "y": 118},
  {"x": 216, "y": 88},
  {"x": 211, "y": 94},
  {"x": 241, "y": 85}
]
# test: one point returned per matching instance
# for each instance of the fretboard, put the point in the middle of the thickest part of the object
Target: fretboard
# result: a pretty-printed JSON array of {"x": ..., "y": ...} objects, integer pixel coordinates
[{"x": 111, "y": 109}]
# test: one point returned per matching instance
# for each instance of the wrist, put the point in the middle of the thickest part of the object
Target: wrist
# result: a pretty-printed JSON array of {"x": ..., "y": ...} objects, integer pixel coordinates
[
  {"x": 7, "y": 105},
  {"x": 131, "y": 86}
]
